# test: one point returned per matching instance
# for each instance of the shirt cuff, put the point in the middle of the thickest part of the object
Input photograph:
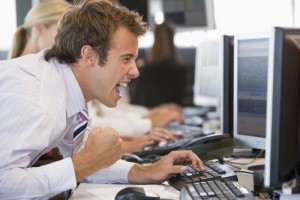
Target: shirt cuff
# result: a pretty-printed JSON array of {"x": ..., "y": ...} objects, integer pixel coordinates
[
  {"x": 143, "y": 126},
  {"x": 62, "y": 175},
  {"x": 117, "y": 173}
]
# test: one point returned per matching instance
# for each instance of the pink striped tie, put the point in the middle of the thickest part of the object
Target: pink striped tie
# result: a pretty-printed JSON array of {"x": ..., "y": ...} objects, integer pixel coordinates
[{"x": 79, "y": 129}]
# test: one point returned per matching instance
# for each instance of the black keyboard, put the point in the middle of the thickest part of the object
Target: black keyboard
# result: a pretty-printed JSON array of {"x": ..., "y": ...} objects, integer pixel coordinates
[
  {"x": 213, "y": 171},
  {"x": 189, "y": 133},
  {"x": 215, "y": 189}
]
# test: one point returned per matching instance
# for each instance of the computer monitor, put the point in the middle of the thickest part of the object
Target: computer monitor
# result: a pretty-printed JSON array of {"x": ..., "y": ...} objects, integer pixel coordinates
[
  {"x": 251, "y": 52},
  {"x": 206, "y": 82},
  {"x": 189, "y": 14},
  {"x": 283, "y": 110},
  {"x": 226, "y": 83},
  {"x": 140, "y": 6}
]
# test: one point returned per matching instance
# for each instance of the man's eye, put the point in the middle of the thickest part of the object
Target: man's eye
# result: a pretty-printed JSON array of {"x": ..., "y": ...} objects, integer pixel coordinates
[{"x": 127, "y": 59}]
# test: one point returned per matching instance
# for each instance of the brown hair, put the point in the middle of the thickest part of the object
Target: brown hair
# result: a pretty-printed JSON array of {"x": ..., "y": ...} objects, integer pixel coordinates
[
  {"x": 92, "y": 22},
  {"x": 163, "y": 50},
  {"x": 46, "y": 12}
]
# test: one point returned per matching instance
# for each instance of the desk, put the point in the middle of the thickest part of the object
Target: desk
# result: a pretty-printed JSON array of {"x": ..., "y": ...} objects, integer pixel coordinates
[
  {"x": 245, "y": 179},
  {"x": 88, "y": 191}
]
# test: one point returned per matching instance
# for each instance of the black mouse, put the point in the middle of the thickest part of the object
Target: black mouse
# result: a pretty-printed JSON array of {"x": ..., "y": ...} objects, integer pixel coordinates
[{"x": 133, "y": 193}]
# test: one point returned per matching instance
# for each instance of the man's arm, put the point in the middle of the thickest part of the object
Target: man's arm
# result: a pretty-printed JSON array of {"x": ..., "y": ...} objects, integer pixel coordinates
[
  {"x": 30, "y": 183},
  {"x": 102, "y": 148},
  {"x": 162, "y": 170},
  {"x": 27, "y": 131}
]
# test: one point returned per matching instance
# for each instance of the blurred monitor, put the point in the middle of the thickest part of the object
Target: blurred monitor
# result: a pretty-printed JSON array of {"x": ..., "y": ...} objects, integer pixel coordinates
[
  {"x": 140, "y": 6},
  {"x": 283, "y": 116},
  {"x": 189, "y": 14},
  {"x": 250, "y": 89},
  {"x": 206, "y": 82},
  {"x": 226, "y": 83}
]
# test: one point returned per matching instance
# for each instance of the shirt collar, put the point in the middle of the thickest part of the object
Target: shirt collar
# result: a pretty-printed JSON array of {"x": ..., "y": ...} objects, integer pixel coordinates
[{"x": 75, "y": 98}]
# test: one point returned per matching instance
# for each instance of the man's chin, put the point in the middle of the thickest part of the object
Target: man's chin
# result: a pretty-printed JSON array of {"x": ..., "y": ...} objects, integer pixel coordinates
[{"x": 111, "y": 104}]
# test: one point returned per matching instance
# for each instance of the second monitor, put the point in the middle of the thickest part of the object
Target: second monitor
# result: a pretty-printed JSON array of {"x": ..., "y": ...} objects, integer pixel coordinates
[{"x": 251, "y": 53}]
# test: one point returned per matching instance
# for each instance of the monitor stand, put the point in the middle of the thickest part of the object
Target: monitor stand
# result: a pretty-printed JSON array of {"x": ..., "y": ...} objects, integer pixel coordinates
[
  {"x": 258, "y": 180},
  {"x": 248, "y": 153}
]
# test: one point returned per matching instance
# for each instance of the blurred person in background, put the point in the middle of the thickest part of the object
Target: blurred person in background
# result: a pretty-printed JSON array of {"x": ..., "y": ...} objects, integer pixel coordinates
[
  {"x": 138, "y": 126},
  {"x": 163, "y": 78},
  {"x": 39, "y": 28}
]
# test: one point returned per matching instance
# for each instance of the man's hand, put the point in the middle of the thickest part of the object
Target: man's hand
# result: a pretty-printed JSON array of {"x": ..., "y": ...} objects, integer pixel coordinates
[
  {"x": 170, "y": 106},
  {"x": 161, "y": 134},
  {"x": 163, "y": 116},
  {"x": 138, "y": 143},
  {"x": 102, "y": 149},
  {"x": 162, "y": 170}
]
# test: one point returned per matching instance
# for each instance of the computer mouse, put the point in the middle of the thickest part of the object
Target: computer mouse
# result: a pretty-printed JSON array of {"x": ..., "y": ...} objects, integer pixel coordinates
[{"x": 134, "y": 193}]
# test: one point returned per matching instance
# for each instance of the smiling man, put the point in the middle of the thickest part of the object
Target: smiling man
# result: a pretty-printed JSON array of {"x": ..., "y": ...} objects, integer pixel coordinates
[{"x": 43, "y": 105}]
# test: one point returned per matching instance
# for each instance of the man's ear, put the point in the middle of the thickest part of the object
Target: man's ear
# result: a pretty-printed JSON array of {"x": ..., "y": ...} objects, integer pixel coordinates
[{"x": 88, "y": 55}]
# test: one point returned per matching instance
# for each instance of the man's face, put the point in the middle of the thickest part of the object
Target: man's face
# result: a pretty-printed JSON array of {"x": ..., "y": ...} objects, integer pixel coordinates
[{"x": 119, "y": 68}]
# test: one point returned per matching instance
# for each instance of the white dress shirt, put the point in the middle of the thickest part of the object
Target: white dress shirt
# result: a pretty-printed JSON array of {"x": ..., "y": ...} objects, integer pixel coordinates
[
  {"x": 127, "y": 119},
  {"x": 38, "y": 104}
]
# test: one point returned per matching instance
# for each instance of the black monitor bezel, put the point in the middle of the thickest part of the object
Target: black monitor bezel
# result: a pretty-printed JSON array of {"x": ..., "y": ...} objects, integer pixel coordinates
[
  {"x": 283, "y": 121},
  {"x": 226, "y": 62}
]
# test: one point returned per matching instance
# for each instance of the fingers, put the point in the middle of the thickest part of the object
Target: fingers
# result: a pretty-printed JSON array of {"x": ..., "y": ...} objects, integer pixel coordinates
[
  {"x": 179, "y": 117},
  {"x": 104, "y": 141},
  {"x": 160, "y": 134},
  {"x": 184, "y": 157}
]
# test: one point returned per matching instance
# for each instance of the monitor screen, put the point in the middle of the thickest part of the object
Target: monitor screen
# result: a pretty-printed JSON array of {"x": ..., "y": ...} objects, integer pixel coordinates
[
  {"x": 198, "y": 14},
  {"x": 140, "y": 6},
  {"x": 250, "y": 89},
  {"x": 226, "y": 84},
  {"x": 283, "y": 112},
  {"x": 206, "y": 83}
]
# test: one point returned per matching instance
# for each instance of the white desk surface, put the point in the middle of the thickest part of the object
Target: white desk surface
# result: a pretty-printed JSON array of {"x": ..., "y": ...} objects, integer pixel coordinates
[
  {"x": 245, "y": 179},
  {"x": 108, "y": 191}
]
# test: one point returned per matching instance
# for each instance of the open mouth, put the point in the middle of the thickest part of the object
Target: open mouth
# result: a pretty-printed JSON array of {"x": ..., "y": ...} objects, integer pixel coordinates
[{"x": 118, "y": 88}]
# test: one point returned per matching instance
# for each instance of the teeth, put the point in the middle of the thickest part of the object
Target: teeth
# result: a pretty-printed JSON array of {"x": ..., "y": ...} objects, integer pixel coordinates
[{"x": 124, "y": 84}]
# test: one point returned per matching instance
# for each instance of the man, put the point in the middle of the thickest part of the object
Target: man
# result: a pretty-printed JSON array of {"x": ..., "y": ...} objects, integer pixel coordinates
[{"x": 43, "y": 105}]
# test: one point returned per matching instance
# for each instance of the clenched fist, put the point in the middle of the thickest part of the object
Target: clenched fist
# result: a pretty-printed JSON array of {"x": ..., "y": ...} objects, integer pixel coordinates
[{"x": 102, "y": 149}]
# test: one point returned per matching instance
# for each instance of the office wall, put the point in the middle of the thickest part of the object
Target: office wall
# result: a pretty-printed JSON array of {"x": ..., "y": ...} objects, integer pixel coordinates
[{"x": 22, "y": 7}]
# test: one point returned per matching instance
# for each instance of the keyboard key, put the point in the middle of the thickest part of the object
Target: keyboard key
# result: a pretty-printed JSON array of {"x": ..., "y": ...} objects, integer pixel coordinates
[
  {"x": 200, "y": 190},
  {"x": 195, "y": 175},
  {"x": 215, "y": 168},
  {"x": 234, "y": 189},
  {"x": 217, "y": 189}
]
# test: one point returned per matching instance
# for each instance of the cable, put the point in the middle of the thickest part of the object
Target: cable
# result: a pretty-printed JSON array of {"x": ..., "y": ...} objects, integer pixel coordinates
[
  {"x": 241, "y": 171},
  {"x": 254, "y": 159}
]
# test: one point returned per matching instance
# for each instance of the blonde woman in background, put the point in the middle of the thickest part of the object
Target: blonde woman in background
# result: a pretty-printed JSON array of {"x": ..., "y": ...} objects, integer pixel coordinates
[{"x": 39, "y": 28}]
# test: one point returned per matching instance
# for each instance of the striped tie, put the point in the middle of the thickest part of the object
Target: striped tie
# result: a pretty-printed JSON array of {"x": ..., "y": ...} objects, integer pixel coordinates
[
  {"x": 79, "y": 129},
  {"x": 78, "y": 135}
]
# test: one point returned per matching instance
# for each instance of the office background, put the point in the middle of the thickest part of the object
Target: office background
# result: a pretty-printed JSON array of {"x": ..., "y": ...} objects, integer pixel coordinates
[{"x": 231, "y": 17}]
